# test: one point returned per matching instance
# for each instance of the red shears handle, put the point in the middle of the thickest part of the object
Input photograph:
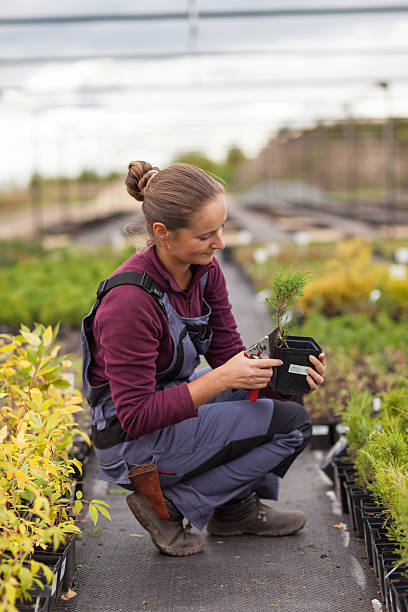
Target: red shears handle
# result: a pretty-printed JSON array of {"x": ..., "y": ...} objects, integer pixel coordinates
[{"x": 253, "y": 393}]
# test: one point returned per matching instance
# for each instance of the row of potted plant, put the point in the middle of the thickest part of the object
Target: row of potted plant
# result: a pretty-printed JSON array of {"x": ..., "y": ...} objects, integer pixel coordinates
[
  {"x": 371, "y": 478},
  {"x": 38, "y": 500}
]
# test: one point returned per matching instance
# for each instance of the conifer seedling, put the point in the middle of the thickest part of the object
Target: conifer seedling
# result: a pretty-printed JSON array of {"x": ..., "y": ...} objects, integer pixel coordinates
[{"x": 286, "y": 287}]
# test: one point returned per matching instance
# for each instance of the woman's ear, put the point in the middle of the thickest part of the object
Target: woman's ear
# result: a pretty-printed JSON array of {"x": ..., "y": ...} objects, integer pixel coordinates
[{"x": 160, "y": 231}]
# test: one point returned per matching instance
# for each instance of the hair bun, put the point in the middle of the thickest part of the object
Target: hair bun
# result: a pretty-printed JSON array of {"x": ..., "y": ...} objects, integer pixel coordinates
[{"x": 138, "y": 178}]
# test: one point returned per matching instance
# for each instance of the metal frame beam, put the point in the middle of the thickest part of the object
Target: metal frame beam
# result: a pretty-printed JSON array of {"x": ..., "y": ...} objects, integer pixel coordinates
[{"x": 232, "y": 14}]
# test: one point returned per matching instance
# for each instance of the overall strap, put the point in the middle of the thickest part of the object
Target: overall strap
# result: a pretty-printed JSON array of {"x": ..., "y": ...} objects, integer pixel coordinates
[{"x": 140, "y": 279}]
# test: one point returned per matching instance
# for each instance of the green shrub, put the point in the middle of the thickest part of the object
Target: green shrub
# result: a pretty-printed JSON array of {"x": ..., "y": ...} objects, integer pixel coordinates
[
  {"x": 52, "y": 286},
  {"x": 398, "y": 527},
  {"x": 381, "y": 451},
  {"x": 378, "y": 444}
]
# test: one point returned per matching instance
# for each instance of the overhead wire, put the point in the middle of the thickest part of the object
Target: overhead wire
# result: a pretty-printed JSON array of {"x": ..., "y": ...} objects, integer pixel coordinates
[
  {"x": 184, "y": 15},
  {"x": 168, "y": 55}
]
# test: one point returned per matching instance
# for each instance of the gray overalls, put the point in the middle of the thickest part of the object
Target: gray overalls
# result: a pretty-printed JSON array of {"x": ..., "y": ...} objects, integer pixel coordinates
[{"x": 207, "y": 460}]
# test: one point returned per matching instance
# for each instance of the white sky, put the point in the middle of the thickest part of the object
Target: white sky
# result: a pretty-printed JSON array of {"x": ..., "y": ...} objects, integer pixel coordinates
[{"x": 61, "y": 117}]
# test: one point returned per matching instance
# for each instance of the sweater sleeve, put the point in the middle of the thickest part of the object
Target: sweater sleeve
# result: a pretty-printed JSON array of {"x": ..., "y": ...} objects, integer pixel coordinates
[
  {"x": 226, "y": 341},
  {"x": 130, "y": 328}
]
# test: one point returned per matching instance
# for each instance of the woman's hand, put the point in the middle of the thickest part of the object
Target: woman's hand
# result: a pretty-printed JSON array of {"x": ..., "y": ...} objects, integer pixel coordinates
[
  {"x": 240, "y": 372},
  {"x": 316, "y": 375}
]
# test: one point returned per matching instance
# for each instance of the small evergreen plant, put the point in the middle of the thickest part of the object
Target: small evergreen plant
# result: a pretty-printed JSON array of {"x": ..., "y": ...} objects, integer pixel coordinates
[
  {"x": 358, "y": 420},
  {"x": 286, "y": 287}
]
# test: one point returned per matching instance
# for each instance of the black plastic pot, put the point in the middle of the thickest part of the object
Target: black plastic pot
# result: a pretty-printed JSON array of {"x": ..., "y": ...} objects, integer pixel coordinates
[
  {"x": 321, "y": 437},
  {"x": 340, "y": 470},
  {"x": 353, "y": 494},
  {"x": 379, "y": 548},
  {"x": 347, "y": 484},
  {"x": 399, "y": 596},
  {"x": 66, "y": 553},
  {"x": 39, "y": 604},
  {"x": 387, "y": 561},
  {"x": 370, "y": 523},
  {"x": 357, "y": 495},
  {"x": 397, "y": 575},
  {"x": 47, "y": 595},
  {"x": 68, "y": 563},
  {"x": 290, "y": 377},
  {"x": 324, "y": 433},
  {"x": 364, "y": 508},
  {"x": 54, "y": 561}
]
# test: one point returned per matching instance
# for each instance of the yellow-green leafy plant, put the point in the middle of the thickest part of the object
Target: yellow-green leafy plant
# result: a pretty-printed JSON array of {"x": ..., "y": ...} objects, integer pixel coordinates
[
  {"x": 345, "y": 282},
  {"x": 37, "y": 429}
]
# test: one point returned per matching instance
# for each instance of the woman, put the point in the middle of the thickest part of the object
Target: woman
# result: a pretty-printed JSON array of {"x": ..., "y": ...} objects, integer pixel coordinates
[{"x": 216, "y": 451}]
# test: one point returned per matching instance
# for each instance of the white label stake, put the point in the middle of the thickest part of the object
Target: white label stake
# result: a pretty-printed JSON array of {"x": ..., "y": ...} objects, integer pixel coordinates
[{"x": 298, "y": 369}]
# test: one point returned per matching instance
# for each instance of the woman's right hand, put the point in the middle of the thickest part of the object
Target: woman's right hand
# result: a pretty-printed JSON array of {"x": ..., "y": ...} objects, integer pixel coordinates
[{"x": 240, "y": 372}]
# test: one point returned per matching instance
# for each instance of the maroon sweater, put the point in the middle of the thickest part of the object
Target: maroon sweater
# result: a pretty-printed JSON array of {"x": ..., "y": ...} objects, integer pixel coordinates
[{"x": 132, "y": 342}]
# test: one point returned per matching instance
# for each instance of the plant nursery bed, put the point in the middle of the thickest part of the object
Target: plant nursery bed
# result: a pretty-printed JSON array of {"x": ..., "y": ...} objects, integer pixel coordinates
[{"x": 368, "y": 520}]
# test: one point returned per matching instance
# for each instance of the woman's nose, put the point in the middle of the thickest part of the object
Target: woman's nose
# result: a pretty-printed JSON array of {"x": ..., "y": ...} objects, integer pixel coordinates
[{"x": 218, "y": 242}]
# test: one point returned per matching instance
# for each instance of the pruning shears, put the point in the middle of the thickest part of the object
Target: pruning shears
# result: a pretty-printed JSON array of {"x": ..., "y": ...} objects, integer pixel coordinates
[{"x": 261, "y": 350}]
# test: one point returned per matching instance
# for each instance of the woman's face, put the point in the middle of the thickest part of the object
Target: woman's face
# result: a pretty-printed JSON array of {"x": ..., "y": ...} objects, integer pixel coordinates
[{"x": 198, "y": 243}]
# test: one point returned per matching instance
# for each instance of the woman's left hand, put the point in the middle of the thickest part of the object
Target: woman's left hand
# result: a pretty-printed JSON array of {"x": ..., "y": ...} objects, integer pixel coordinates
[{"x": 316, "y": 375}]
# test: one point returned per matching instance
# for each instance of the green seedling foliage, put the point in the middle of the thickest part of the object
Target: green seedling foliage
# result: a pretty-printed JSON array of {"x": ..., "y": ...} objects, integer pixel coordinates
[
  {"x": 357, "y": 417},
  {"x": 382, "y": 460},
  {"x": 398, "y": 527},
  {"x": 394, "y": 407},
  {"x": 286, "y": 287},
  {"x": 383, "y": 449}
]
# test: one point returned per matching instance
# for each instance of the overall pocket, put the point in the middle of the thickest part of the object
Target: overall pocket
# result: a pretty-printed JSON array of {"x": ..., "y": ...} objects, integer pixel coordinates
[{"x": 115, "y": 470}]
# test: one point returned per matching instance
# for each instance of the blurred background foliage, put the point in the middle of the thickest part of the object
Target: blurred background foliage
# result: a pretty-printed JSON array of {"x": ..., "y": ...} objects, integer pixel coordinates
[
  {"x": 225, "y": 170},
  {"x": 355, "y": 308},
  {"x": 352, "y": 305},
  {"x": 53, "y": 285}
]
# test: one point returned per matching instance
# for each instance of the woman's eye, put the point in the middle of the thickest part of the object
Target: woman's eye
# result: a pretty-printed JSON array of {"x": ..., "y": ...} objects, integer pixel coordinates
[{"x": 208, "y": 236}]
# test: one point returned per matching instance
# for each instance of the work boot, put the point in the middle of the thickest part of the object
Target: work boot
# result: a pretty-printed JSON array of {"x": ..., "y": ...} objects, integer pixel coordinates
[
  {"x": 168, "y": 535},
  {"x": 250, "y": 516}
]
